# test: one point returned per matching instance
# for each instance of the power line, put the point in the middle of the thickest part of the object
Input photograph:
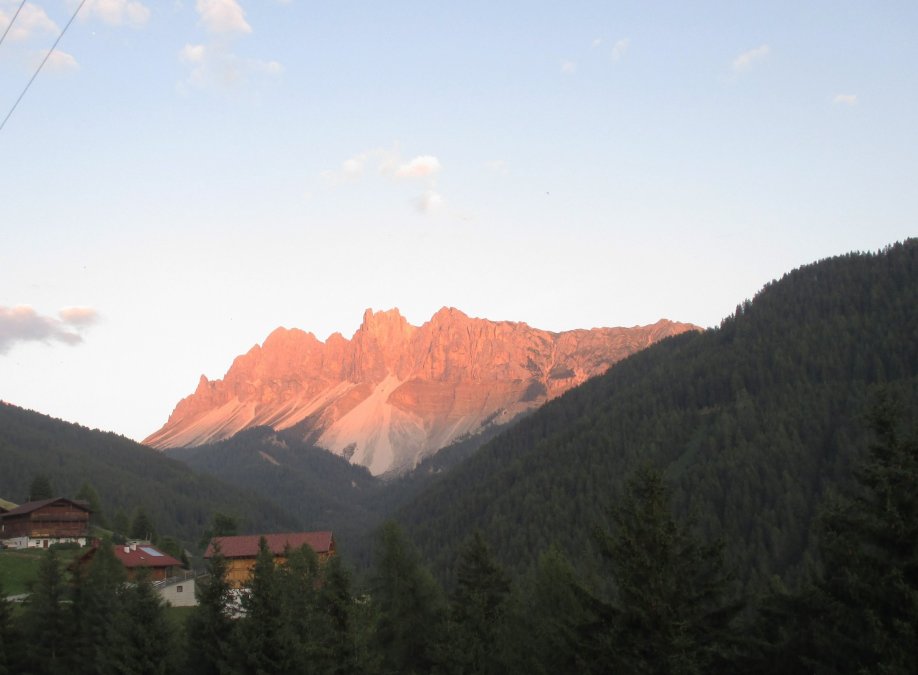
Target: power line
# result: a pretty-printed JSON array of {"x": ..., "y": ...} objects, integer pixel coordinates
[
  {"x": 42, "y": 64},
  {"x": 10, "y": 24}
]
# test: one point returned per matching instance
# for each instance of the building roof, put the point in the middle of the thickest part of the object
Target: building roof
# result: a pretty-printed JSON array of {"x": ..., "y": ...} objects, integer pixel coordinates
[
  {"x": 144, "y": 555},
  {"x": 29, "y": 507},
  {"x": 247, "y": 546}
]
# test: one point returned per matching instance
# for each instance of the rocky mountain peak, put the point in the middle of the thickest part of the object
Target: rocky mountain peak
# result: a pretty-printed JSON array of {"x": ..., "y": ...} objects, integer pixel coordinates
[{"x": 394, "y": 392}]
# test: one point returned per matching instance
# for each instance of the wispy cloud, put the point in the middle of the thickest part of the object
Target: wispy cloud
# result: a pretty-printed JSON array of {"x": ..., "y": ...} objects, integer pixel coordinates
[
  {"x": 750, "y": 57},
  {"x": 59, "y": 61},
  {"x": 214, "y": 64},
  {"x": 430, "y": 201},
  {"x": 619, "y": 49},
  {"x": 419, "y": 167},
  {"x": 389, "y": 163},
  {"x": 31, "y": 20},
  {"x": 117, "y": 12},
  {"x": 24, "y": 324},
  {"x": 568, "y": 67},
  {"x": 222, "y": 16},
  {"x": 845, "y": 99}
]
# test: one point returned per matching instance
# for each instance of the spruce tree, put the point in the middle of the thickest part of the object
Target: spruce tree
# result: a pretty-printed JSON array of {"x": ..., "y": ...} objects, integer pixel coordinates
[
  {"x": 336, "y": 607},
  {"x": 262, "y": 640},
  {"x": 409, "y": 605},
  {"x": 143, "y": 639},
  {"x": 41, "y": 488},
  {"x": 869, "y": 547},
  {"x": 97, "y": 609},
  {"x": 9, "y": 639},
  {"x": 211, "y": 628},
  {"x": 46, "y": 619},
  {"x": 671, "y": 612},
  {"x": 142, "y": 527},
  {"x": 478, "y": 610},
  {"x": 89, "y": 495}
]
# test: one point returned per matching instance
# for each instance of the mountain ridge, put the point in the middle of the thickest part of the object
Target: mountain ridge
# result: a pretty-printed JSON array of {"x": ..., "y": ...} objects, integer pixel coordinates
[{"x": 395, "y": 393}]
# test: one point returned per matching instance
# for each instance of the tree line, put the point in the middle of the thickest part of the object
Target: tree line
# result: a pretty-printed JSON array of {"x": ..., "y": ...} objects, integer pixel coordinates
[{"x": 664, "y": 601}]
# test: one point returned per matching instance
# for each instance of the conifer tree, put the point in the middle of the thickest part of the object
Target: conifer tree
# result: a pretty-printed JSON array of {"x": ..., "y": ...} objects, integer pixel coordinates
[
  {"x": 478, "y": 610},
  {"x": 97, "y": 609},
  {"x": 410, "y": 609},
  {"x": 869, "y": 546},
  {"x": 554, "y": 610},
  {"x": 142, "y": 527},
  {"x": 301, "y": 629},
  {"x": 45, "y": 622},
  {"x": 210, "y": 627},
  {"x": 8, "y": 637},
  {"x": 262, "y": 643},
  {"x": 142, "y": 641},
  {"x": 336, "y": 606},
  {"x": 89, "y": 495},
  {"x": 41, "y": 488},
  {"x": 670, "y": 613}
]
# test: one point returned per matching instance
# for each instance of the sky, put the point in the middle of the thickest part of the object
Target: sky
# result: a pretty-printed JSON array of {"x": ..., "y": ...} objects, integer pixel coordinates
[{"x": 183, "y": 177}]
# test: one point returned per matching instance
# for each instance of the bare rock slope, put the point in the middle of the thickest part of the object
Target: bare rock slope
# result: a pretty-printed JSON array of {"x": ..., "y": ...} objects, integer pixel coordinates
[{"x": 394, "y": 392}]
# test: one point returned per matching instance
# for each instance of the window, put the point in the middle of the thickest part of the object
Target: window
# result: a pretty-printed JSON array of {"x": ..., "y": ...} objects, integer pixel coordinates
[{"x": 178, "y": 589}]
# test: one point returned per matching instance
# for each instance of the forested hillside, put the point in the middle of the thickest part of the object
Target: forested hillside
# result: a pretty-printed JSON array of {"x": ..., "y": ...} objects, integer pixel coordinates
[
  {"x": 127, "y": 476},
  {"x": 752, "y": 422}
]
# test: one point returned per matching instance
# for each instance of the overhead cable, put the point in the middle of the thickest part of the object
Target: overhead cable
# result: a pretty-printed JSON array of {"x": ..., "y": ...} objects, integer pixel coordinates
[
  {"x": 10, "y": 24},
  {"x": 41, "y": 65}
]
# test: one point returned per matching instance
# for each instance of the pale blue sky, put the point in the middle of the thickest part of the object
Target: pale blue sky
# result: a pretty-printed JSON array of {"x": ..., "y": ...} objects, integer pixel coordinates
[{"x": 198, "y": 173}]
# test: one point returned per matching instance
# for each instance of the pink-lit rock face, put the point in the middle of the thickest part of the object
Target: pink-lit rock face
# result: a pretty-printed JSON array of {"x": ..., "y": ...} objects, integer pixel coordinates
[{"x": 395, "y": 393}]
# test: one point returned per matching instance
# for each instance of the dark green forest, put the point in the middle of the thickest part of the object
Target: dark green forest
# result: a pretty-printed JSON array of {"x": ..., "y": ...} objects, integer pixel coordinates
[
  {"x": 752, "y": 422},
  {"x": 736, "y": 500},
  {"x": 128, "y": 478},
  {"x": 662, "y": 601}
]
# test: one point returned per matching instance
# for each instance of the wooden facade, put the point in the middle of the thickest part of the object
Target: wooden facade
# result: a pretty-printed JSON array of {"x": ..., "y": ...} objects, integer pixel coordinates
[
  {"x": 241, "y": 552},
  {"x": 46, "y": 522}
]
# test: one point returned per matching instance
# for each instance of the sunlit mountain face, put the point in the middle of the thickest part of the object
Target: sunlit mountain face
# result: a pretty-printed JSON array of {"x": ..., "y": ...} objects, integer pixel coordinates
[{"x": 395, "y": 393}]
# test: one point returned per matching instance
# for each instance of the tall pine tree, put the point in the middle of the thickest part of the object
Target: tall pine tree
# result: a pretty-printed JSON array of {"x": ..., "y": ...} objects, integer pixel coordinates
[
  {"x": 869, "y": 547},
  {"x": 671, "y": 612},
  {"x": 409, "y": 605}
]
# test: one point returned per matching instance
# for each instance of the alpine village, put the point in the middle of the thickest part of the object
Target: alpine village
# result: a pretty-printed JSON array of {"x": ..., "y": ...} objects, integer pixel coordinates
[{"x": 661, "y": 499}]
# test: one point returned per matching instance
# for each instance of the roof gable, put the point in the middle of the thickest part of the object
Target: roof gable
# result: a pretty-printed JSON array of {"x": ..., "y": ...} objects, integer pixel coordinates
[
  {"x": 246, "y": 546},
  {"x": 144, "y": 555},
  {"x": 30, "y": 507}
]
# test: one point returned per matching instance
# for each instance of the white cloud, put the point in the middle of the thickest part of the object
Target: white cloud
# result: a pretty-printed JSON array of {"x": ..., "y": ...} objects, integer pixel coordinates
[
  {"x": 215, "y": 66},
  {"x": 24, "y": 324},
  {"x": 117, "y": 12},
  {"x": 60, "y": 61},
  {"x": 32, "y": 19},
  {"x": 619, "y": 49},
  {"x": 389, "y": 163},
  {"x": 845, "y": 99},
  {"x": 429, "y": 202},
  {"x": 193, "y": 53},
  {"x": 745, "y": 60},
  {"x": 222, "y": 16},
  {"x": 568, "y": 67},
  {"x": 419, "y": 167},
  {"x": 596, "y": 42}
]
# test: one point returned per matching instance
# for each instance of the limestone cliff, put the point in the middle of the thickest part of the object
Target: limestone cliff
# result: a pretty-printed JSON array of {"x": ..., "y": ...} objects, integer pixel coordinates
[{"x": 394, "y": 392}]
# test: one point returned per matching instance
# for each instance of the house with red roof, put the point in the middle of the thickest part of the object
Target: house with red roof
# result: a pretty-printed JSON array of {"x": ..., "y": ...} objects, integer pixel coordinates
[
  {"x": 240, "y": 551},
  {"x": 42, "y": 523},
  {"x": 137, "y": 555}
]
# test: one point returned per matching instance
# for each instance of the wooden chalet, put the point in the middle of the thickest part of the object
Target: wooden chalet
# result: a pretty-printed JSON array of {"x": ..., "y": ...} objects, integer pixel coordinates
[
  {"x": 42, "y": 523},
  {"x": 240, "y": 551}
]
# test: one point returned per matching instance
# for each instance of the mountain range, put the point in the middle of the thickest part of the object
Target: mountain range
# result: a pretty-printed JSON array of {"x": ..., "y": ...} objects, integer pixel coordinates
[{"x": 395, "y": 393}]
